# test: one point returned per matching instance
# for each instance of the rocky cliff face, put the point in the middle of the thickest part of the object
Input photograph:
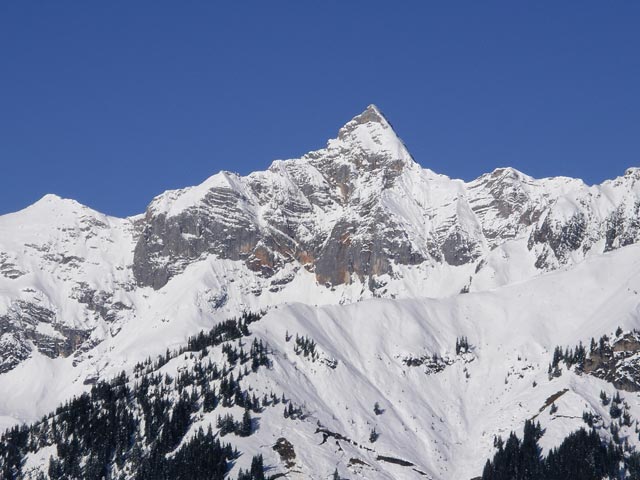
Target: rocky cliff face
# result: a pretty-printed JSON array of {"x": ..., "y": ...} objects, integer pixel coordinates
[
  {"x": 362, "y": 205},
  {"x": 358, "y": 218},
  {"x": 324, "y": 211}
]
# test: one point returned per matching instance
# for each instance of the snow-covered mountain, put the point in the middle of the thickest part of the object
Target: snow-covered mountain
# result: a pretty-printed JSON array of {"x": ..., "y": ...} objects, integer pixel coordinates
[{"x": 385, "y": 265}]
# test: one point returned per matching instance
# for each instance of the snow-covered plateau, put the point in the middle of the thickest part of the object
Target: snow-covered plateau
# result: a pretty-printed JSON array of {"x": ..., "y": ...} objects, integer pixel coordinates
[{"x": 409, "y": 318}]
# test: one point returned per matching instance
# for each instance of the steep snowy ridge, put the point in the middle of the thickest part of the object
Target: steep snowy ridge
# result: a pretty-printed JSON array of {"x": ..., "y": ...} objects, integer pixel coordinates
[{"x": 381, "y": 262}]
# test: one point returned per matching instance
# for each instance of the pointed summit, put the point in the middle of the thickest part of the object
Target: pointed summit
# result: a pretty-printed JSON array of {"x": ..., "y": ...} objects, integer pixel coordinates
[
  {"x": 371, "y": 114},
  {"x": 372, "y": 133}
]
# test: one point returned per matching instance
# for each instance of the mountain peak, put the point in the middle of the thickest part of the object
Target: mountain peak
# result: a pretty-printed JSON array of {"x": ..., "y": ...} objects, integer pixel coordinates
[
  {"x": 371, "y": 117},
  {"x": 371, "y": 132},
  {"x": 371, "y": 114},
  {"x": 50, "y": 198},
  {"x": 51, "y": 201}
]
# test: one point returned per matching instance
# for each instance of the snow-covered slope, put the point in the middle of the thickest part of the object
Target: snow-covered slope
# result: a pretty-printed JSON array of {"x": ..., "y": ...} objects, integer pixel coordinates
[
  {"x": 445, "y": 422},
  {"x": 440, "y": 415},
  {"x": 361, "y": 249}
]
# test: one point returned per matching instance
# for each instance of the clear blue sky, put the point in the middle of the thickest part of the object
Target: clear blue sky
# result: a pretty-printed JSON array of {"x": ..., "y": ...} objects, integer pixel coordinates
[{"x": 114, "y": 102}]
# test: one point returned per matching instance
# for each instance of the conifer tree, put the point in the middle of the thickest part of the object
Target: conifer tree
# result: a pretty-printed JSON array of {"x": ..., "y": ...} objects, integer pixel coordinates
[{"x": 245, "y": 426}]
